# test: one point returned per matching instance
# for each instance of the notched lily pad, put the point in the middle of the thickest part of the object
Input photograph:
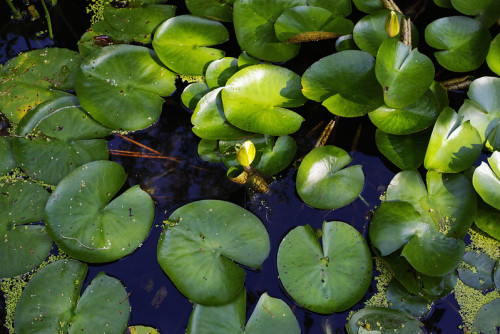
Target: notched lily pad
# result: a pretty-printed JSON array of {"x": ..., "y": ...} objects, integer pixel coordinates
[
  {"x": 486, "y": 180},
  {"x": 476, "y": 270},
  {"x": 192, "y": 94},
  {"x": 383, "y": 320},
  {"x": 220, "y": 10},
  {"x": 488, "y": 318}
]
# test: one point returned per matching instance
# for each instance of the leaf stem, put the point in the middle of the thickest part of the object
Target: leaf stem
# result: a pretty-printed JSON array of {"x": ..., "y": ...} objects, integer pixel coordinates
[
  {"x": 17, "y": 13},
  {"x": 47, "y": 17}
]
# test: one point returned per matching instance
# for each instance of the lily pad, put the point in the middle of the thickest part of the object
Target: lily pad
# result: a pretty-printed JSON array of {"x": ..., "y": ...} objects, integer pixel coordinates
[
  {"x": 220, "y": 10},
  {"x": 368, "y": 6},
  {"x": 271, "y": 315},
  {"x": 51, "y": 160},
  {"x": 310, "y": 23},
  {"x": 105, "y": 89},
  {"x": 487, "y": 11},
  {"x": 22, "y": 246},
  {"x": 454, "y": 146},
  {"x": 192, "y": 94},
  {"x": 141, "y": 330},
  {"x": 254, "y": 26},
  {"x": 487, "y": 219},
  {"x": 493, "y": 57},
  {"x": 496, "y": 275},
  {"x": 400, "y": 299},
  {"x": 345, "y": 82},
  {"x": 7, "y": 161},
  {"x": 464, "y": 41},
  {"x": 404, "y": 74},
  {"x": 320, "y": 278},
  {"x": 208, "y": 150},
  {"x": 87, "y": 224},
  {"x": 220, "y": 70},
  {"x": 383, "y": 320},
  {"x": 51, "y": 302},
  {"x": 255, "y": 99},
  {"x": 323, "y": 180},
  {"x": 486, "y": 180},
  {"x": 487, "y": 320},
  {"x": 477, "y": 272},
  {"x": 181, "y": 43},
  {"x": 337, "y": 7},
  {"x": 200, "y": 245}
]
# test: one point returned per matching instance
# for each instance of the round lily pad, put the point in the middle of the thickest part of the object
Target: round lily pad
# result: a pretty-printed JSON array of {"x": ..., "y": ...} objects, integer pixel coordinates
[
  {"x": 220, "y": 10},
  {"x": 493, "y": 57},
  {"x": 486, "y": 180},
  {"x": 487, "y": 320},
  {"x": 181, "y": 43},
  {"x": 51, "y": 302},
  {"x": 464, "y": 42},
  {"x": 477, "y": 270},
  {"x": 320, "y": 278},
  {"x": 22, "y": 246},
  {"x": 122, "y": 86},
  {"x": 87, "y": 224},
  {"x": 324, "y": 181},
  {"x": 199, "y": 247},
  {"x": 255, "y": 99},
  {"x": 400, "y": 299},
  {"x": 276, "y": 155},
  {"x": 383, "y": 320},
  {"x": 7, "y": 161}
]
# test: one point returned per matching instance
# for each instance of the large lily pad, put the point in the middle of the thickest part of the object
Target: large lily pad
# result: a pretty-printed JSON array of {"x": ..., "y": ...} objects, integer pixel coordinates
[
  {"x": 405, "y": 74},
  {"x": 487, "y": 320},
  {"x": 320, "y": 278},
  {"x": 324, "y": 181},
  {"x": 493, "y": 57},
  {"x": 200, "y": 245},
  {"x": 464, "y": 41},
  {"x": 271, "y": 315},
  {"x": 345, "y": 82},
  {"x": 477, "y": 271},
  {"x": 254, "y": 26},
  {"x": 383, "y": 320},
  {"x": 486, "y": 180},
  {"x": 51, "y": 302},
  {"x": 487, "y": 11},
  {"x": 7, "y": 161},
  {"x": 22, "y": 246},
  {"x": 220, "y": 10},
  {"x": 454, "y": 146},
  {"x": 87, "y": 224},
  {"x": 122, "y": 86},
  {"x": 181, "y": 43},
  {"x": 255, "y": 99}
]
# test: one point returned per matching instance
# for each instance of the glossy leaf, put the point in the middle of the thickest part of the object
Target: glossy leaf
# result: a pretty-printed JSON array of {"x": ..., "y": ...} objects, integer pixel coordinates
[
  {"x": 220, "y": 70},
  {"x": 486, "y": 180},
  {"x": 192, "y": 94},
  {"x": 7, "y": 161},
  {"x": 487, "y": 11},
  {"x": 478, "y": 271},
  {"x": 368, "y": 6},
  {"x": 141, "y": 330},
  {"x": 383, "y": 320},
  {"x": 137, "y": 20},
  {"x": 493, "y": 56},
  {"x": 487, "y": 318},
  {"x": 337, "y": 7},
  {"x": 400, "y": 299},
  {"x": 208, "y": 150},
  {"x": 464, "y": 42},
  {"x": 320, "y": 277},
  {"x": 276, "y": 155},
  {"x": 87, "y": 224},
  {"x": 323, "y": 180},
  {"x": 105, "y": 89},
  {"x": 487, "y": 219},
  {"x": 255, "y": 99},
  {"x": 219, "y": 10},
  {"x": 182, "y": 43},
  {"x": 200, "y": 245}
]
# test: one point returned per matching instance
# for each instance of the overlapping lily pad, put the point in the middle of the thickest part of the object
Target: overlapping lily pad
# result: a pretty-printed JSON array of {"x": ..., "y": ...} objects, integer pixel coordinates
[
  {"x": 486, "y": 180},
  {"x": 22, "y": 246},
  {"x": 220, "y": 70},
  {"x": 199, "y": 247},
  {"x": 255, "y": 99},
  {"x": 220, "y": 10},
  {"x": 493, "y": 57},
  {"x": 487, "y": 318},
  {"x": 7, "y": 161},
  {"x": 400, "y": 299},
  {"x": 320, "y": 278},
  {"x": 51, "y": 302},
  {"x": 271, "y": 315},
  {"x": 487, "y": 219},
  {"x": 324, "y": 181},
  {"x": 87, "y": 224},
  {"x": 487, "y": 11},
  {"x": 477, "y": 270},
  {"x": 122, "y": 86},
  {"x": 383, "y": 320},
  {"x": 181, "y": 43},
  {"x": 192, "y": 94}
]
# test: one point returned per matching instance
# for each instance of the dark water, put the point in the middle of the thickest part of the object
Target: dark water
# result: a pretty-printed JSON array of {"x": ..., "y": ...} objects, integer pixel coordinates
[{"x": 154, "y": 299}]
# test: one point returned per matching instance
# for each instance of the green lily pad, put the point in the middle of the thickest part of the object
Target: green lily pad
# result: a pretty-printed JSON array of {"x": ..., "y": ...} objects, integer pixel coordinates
[
  {"x": 486, "y": 180},
  {"x": 192, "y": 94},
  {"x": 496, "y": 275},
  {"x": 23, "y": 246},
  {"x": 454, "y": 146},
  {"x": 400, "y": 299},
  {"x": 245, "y": 59},
  {"x": 200, "y": 245},
  {"x": 310, "y": 23},
  {"x": 487, "y": 320},
  {"x": 344, "y": 43},
  {"x": 208, "y": 150},
  {"x": 255, "y": 99},
  {"x": 405, "y": 151},
  {"x": 271, "y": 315},
  {"x": 141, "y": 330},
  {"x": 87, "y": 224},
  {"x": 493, "y": 57},
  {"x": 209, "y": 121},
  {"x": 487, "y": 11},
  {"x": 337, "y": 7},
  {"x": 220, "y": 70},
  {"x": 443, "y": 3},
  {"x": 487, "y": 219},
  {"x": 52, "y": 160},
  {"x": 323, "y": 180},
  {"x": 254, "y": 26},
  {"x": 220, "y": 10},
  {"x": 105, "y": 89},
  {"x": 320, "y": 278},
  {"x": 410, "y": 119},
  {"x": 369, "y": 32},
  {"x": 345, "y": 82},
  {"x": 368, "y": 6},
  {"x": 51, "y": 302},
  {"x": 62, "y": 118},
  {"x": 7, "y": 160},
  {"x": 404, "y": 74},
  {"x": 383, "y": 320},
  {"x": 464, "y": 41},
  {"x": 181, "y": 43},
  {"x": 477, "y": 271}
]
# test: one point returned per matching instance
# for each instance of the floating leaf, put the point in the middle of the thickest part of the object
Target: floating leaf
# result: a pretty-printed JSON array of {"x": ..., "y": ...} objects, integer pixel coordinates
[
  {"x": 141, "y": 330},
  {"x": 493, "y": 57},
  {"x": 337, "y": 7},
  {"x": 220, "y": 10},
  {"x": 400, "y": 299},
  {"x": 368, "y": 6},
  {"x": 276, "y": 155},
  {"x": 323, "y": 180},
  {"x": 487, "y": 219},
  {"x": 464, "y": 41},
  {"x": 105, "y": 89},
  {"x": 51, "y": 302},
  {"x": 181, "y": 43},
  {"x": 320, "y": 278},
  {"x": 487, "y": 11},
  {"x": 197, "y": 249},
  {"x": 207, "y": 150},
  {"x": 488, "y": 318},
  {"x": 383, "y": 320},
  {"x": 87, "y": 224},
  {"x": 192, "y": 94},
  {"x": 220, "y": 70},
  {"x": 496, "y": 275},
  {"x": 7, "y": 161},
  {"x": 477, "y": 271},
  {"x": 344, "y": 43},
  {"x": 486, "y": 180},
  {"x": 255, "y": 99}
]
